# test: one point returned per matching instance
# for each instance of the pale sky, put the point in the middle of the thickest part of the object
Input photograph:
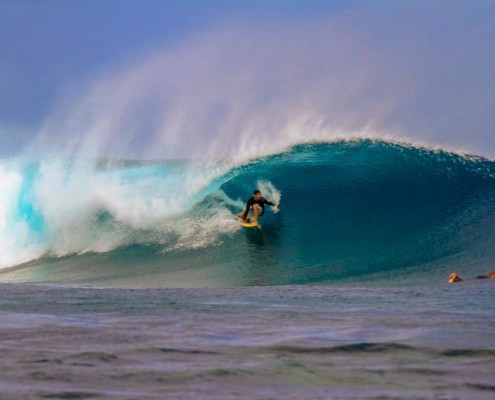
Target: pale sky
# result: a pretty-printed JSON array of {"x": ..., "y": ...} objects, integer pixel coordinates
[{"x": 155, "y": 79}]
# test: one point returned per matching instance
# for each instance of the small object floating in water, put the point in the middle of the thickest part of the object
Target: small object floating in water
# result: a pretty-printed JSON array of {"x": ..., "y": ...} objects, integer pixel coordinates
[
  {"x": 455, "y": 278},
  {"x": 489, "y": 275}
]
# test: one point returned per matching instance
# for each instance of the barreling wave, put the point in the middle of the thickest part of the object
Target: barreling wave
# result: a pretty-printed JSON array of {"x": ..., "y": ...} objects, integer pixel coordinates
[{"x": 349, "y": 210}]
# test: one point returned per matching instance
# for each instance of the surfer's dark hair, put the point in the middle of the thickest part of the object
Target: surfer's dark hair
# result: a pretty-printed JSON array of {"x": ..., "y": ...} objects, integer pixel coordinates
[{"x": 256, "y": 191}]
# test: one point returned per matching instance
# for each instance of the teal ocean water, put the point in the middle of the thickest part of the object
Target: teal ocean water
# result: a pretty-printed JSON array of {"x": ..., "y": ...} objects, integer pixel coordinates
[
  {"x": 133, "y": 279},
  {"x": 348, "y": 211}
]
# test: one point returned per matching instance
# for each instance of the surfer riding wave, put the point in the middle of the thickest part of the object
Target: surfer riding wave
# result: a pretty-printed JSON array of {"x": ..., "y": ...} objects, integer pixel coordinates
[{"x": 257, "y": 203}]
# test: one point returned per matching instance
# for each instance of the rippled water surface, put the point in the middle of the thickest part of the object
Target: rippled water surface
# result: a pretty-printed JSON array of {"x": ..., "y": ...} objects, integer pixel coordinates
[{"x": 296, "y": 342}]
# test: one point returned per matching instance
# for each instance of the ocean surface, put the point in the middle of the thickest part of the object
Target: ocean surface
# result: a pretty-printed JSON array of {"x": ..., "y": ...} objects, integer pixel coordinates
[
  {"x": 432, "y": 341},
  {"x": 133, "y": 279}
]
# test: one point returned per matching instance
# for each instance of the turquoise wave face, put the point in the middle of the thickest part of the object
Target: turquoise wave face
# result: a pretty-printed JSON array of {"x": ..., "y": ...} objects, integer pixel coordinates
[
  {"x": 363, "y": 207},
  {"x": 349, "y": 211}
]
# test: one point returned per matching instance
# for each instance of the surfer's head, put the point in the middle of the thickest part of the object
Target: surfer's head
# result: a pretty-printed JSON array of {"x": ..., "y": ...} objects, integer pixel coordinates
[{"x": 257, "y": 194}]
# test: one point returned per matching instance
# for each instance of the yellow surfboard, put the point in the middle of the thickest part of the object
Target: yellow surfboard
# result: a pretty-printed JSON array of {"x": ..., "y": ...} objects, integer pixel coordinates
[{"x": 250, "y": 224}]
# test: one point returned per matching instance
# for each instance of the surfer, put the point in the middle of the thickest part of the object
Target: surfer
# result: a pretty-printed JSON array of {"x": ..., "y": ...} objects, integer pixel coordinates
[
  {"x": 257, "y": 203},
  {"x": 456, "y": 278},
  {"x": 489, "y": 275}
]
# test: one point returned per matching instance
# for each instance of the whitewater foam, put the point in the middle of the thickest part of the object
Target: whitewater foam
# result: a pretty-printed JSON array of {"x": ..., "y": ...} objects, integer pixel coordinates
[
  {"x": 15, "y": 246},
  {"x": 270, "y": 192},
  {"x": 67, "y": 207}
]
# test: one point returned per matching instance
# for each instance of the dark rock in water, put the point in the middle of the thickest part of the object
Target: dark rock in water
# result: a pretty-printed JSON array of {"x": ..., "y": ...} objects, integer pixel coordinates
[{"x": 482, "y": 277}]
